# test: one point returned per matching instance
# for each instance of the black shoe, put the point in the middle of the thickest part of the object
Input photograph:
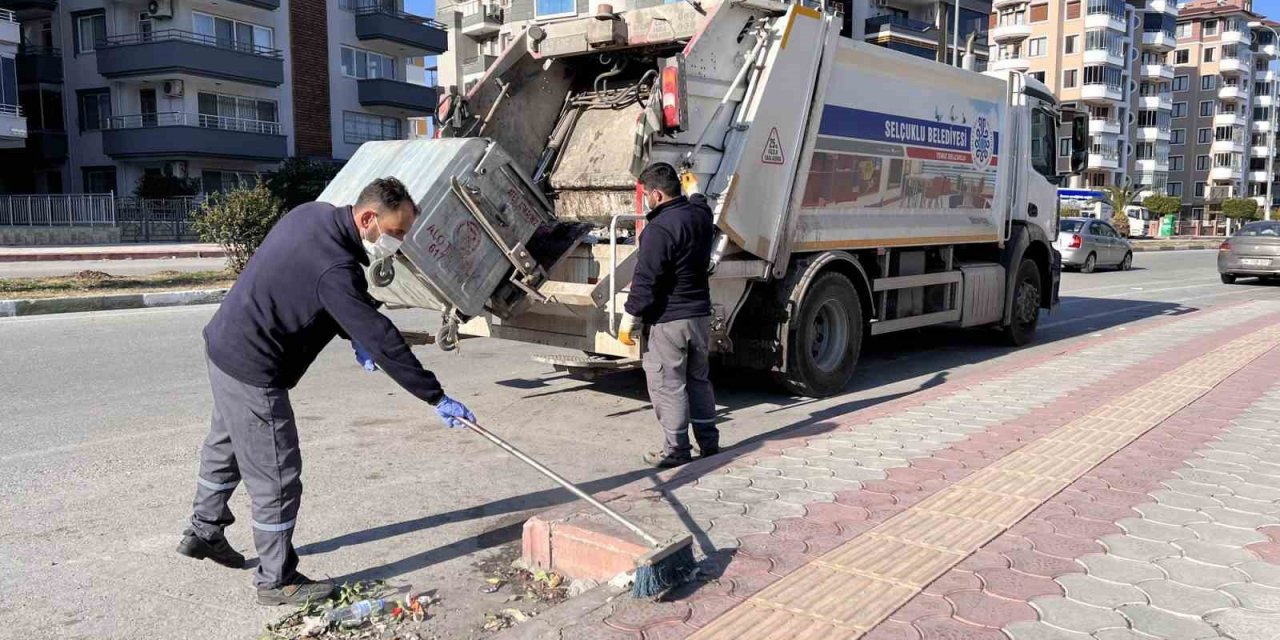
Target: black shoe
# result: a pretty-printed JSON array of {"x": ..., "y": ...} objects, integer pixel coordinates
[
  {"x": 219, "y": 551},
  {"x": 707, "y": 452},
  {"x": 663, "y": 460},
  {"x": 298, "y": 592}
]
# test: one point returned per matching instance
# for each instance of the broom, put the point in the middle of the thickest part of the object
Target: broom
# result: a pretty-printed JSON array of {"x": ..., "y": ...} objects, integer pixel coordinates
[{"x": 667, "y": 565}]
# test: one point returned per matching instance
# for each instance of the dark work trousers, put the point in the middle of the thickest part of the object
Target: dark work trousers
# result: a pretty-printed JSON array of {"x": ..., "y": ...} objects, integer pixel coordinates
[
  {"x": 253, "y": 437},
  {"x": 676, "y": 366}
]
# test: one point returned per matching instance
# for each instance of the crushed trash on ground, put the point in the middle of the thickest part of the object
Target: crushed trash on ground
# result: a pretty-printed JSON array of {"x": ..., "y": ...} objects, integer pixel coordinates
[
  {"x": 368, "y": 610},
  {"x": 524, "y": 593}
]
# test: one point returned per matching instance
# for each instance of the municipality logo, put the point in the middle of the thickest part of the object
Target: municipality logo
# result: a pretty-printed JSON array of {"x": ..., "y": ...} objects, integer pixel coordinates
[{"x": 983, "y": 142}]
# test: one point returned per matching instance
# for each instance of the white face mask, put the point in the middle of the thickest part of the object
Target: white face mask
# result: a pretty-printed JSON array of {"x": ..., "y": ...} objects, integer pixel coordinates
[{"x": 385, "y": 247}]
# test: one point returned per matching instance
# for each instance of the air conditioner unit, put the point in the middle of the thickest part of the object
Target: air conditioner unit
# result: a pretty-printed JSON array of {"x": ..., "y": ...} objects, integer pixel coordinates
[
  {"x": 173, "y": 88},
  {"x": 176, "y": 168},
  {"x": 160, "y": 8}
]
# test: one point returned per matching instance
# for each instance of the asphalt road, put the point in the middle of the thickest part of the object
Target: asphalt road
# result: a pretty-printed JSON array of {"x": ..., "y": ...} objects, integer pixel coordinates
[{"x": 103, "y": 415}]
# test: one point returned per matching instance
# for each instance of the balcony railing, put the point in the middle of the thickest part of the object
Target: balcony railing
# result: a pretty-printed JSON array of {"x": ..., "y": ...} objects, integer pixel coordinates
[
  {"x": 919, "y": 26},
  {"x": 376, "y": 7},
  {"x": 7, "y": 15},
  {"x": 183, "y": 119},
  {"x": 176, "y": 35},
  {"x": 12, "y": 110}
]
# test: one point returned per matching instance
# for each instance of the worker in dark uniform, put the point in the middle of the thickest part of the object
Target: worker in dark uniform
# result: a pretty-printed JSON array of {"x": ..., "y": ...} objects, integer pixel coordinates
[
  {"x": 670, "y": 298},
  {"x": 303, "y": 286}
]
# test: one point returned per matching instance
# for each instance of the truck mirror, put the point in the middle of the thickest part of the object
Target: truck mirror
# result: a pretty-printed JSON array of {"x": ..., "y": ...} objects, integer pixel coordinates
[{"x": 1079, "y": 142}]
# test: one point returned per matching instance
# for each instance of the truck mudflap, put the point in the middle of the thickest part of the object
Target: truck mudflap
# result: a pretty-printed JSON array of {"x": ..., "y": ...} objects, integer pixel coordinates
[
  {"x": 484, "y": 239},
  {"x": 1056, "y": 270}
]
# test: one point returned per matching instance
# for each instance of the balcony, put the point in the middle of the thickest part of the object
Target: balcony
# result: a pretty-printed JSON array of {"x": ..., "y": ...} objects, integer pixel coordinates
[
  {"x": 1005, "y": 4},
  {"x": 1152, "y": 166},
  {"x": 1232, "y": 93},
  {"x": 405, "y": 33},
  {"x": 1104, "y": 126},
  {"x": 1218, "y": 194},
  {"x": 1259, "y": 151},
  {"x": 1228, "y": 120},
  {"x": 169, "y": 52},
  {"x": 39, "y": 65},
  {"x": 1266, "y": 76},
  {"x": 1263, "y": 100},
  {"x": 477, "y": 65},
  {"x": 1104, "y": 56},
  {"x": 29, "y": 9},
  {"x": 1153, "y": 134},
  {"x": 1224, "y": 173},
  {"x": 1010, "y": 33},
  {"x": 396, "y": 97},
  {"x": 1104, "y": 159},
  {"x": 1163, "y": 102},
  {"x": 487, "y": 20},
  {"x": 1101, "y": 92},
  {"x": 13, "y": 127},
  {"x": 1157, "y": 71},
  {"x": 1232, "y": 65},
  {"x": 1236, "y": 35},
  {"x": 1258, "y": 176},
  {"x": 1010, "y": 64},
  {"x": 1105, "y": 21},
  {"x": 1164, "y": 6},
  {"x": 178, "y": 134},
  {"x": 1261, "y": 126},
  {"x": 1159, "y": 40},
  {"x": 1227, "y": 146}
]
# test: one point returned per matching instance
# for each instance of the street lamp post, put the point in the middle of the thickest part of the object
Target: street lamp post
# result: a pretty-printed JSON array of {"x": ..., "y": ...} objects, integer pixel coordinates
[{"x": 1271, "y": 130}]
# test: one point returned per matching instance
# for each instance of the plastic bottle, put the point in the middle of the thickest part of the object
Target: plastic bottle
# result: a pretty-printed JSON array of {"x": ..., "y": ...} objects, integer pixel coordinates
[{"x": 356, "y": 613}]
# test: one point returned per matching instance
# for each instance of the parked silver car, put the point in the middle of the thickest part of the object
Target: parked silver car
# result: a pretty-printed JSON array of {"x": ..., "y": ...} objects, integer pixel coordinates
[
  {"x": 1087, "y": 243},
  {"x": 1254, "y": 250}
]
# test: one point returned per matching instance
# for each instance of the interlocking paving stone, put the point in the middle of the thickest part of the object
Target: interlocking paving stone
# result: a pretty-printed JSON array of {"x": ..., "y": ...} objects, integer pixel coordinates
[
  {"x": 1163, "y": 624},
  {"x": 1076, "y": 616},
  {"x": 1101, "y": 593}
]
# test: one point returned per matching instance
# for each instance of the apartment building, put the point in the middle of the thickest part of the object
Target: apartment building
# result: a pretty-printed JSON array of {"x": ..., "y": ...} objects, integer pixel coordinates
[
  {"x": 13, "y": 125},
  {"x": 218, "y": 90},
  {"x": 481, "y": 29},
  {"x": 1223, "y": 102}
]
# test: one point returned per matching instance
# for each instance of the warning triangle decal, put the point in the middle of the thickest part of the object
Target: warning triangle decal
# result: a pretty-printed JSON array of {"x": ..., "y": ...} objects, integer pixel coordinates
[{"x": 773, "y": 149}]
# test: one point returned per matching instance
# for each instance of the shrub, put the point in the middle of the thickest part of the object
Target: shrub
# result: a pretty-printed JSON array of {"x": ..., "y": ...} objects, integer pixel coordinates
[
  {"x": 238, "y": 221},
  {"x": 299, "y": 181},
  {"x": 1240, "y": 208},
  {"x": 1162, "y": 205}
]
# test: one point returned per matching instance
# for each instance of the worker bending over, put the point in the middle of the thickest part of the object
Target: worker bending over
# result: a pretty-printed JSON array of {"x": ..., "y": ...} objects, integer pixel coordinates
[
  {"x": 671, "y": 299},
  {"x": 303, "y": 286}
]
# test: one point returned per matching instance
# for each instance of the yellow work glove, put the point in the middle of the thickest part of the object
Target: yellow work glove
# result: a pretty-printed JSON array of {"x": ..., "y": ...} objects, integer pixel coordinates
[{"x": 628, "y": 330}]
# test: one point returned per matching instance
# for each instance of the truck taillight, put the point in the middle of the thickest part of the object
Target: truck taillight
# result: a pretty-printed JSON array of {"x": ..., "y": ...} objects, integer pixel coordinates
[
  {"x": 1075, "y": 242},
  {"x": 675, "y": 113}
]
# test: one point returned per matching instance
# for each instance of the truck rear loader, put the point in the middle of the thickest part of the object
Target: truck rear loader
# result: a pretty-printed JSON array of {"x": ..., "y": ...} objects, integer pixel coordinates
[{"x": 857, "y": 191}]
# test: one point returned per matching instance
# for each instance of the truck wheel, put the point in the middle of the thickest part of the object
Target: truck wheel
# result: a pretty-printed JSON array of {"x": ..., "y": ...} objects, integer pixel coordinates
[
  {"x": 825, "y": 338},
  {"x": 1026, "y": 305}
]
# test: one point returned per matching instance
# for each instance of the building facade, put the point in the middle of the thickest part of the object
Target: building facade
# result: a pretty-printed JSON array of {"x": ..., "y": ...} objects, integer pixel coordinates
[
  {"x": 13, "y": 122},
  {"x": 215, "y": 90}
]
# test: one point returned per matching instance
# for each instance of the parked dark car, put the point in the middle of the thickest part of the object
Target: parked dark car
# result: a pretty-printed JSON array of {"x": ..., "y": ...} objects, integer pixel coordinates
[{"x": 1254, "y": 251}]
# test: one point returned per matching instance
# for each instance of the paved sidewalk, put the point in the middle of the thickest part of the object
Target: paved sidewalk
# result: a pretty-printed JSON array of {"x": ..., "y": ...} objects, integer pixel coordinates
[
  {"x": 952, "y": 512},
  {"x": 140, "y": 251}
]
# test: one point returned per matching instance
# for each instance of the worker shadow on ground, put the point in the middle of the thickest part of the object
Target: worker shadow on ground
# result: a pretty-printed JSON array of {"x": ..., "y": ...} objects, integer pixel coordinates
[{"x": 517, "y": 509}]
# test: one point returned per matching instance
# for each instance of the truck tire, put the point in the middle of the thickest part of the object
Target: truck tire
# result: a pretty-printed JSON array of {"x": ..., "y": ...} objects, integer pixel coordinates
[
  {"x": 1026, "y": 305},
  {"x": 825, "y": 338}
]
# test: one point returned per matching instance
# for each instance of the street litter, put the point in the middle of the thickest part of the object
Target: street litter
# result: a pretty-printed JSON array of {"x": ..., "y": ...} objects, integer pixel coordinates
[{"x": 362, "y": 611}]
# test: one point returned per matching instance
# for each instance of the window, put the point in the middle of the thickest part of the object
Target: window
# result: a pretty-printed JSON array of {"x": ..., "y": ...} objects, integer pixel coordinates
[
  {"x": 1183, "y": 30},
  {"x": 1210, "y": 27},
  {"x": 1178, "y": 136},
  {"x": 9, "y": 84},
  {"x": 1180, "y": 84},
  {"x": 1204, "y": 136},
  {"x": 1176, "y": 163},
  {"x": 1206, "y": 108},
  {"x": 90, "y": 29},
  {"x": 1202, "y": 163},
  {"x": 1199, "y": 192},
  {"x": 1070, "y": 44},
  {"x": 94, "y": 109},
  {"x": 1036, "y": 47},
  {"x": 553, "y": 8},
  {"x": 1182, "y": 56},
  {"x": 1069, "y": 78},
  {"x": 145, "y": 25},
  {"x": 232, "y": 34},
  {"x": 239, "y": 113},
  {"x": 99, "y": 179},
  {"x": 367, "y": 64},
  {"x": 1064, "y": 147},
  {"x": 363, "y": 127},
  {"x": 1038, "y": 75},
  {"x": 1208, "y": 82},
  {"x": 1208, "y": 54},
  {"x": 1179, "y": 109},
  {"x": 1174, "y": 189},
  {"x": 1043, "y": 129},
  {"x": 214, "y": 181}
]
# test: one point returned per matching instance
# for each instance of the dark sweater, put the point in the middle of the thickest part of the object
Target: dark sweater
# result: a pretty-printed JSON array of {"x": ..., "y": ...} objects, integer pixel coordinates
[
  {"x": 671, "y": 280},
  {"x": 304, "y": 286}
]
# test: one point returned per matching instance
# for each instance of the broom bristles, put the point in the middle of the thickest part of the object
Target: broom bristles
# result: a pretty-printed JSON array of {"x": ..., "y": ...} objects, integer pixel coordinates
[{"x": 655, "y": 578}]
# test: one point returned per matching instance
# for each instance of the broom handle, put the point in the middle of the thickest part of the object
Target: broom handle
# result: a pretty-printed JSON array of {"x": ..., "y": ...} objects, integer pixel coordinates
[{"x": 560, "y": 480}]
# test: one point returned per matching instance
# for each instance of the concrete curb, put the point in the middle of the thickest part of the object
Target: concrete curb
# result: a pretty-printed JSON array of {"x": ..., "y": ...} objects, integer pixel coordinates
[
  {"x": 44, "y": 306},
  {"x": 139, "y": 254},
  {"x": 1140, "y": 246}
]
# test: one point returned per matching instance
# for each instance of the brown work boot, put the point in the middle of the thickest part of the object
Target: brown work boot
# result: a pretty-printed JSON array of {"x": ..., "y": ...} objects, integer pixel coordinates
[
  {"x": 663, "y": 460},
  {"x": 298, "y": 592}
]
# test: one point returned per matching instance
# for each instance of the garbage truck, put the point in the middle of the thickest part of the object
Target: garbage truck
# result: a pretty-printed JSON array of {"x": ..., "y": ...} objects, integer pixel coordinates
[{"x": 856, "y": 191}]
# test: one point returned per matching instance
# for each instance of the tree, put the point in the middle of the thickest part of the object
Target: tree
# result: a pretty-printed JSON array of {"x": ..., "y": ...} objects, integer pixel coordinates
[
  {"x": 1120, "y": 198},
  {"x": 1243, "y": 209},
  {"x": 1162, "y": 205},
  {"x": 158, "y": 185},
  {"x": 299, "y": 181},
  {"x": 238, "y": 221}
]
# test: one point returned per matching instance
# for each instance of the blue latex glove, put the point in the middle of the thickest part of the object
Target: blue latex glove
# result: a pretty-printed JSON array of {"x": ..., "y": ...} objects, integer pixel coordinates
[
  {"x": 363, "y": 358},
  {"x": 449, "y": 409}
]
